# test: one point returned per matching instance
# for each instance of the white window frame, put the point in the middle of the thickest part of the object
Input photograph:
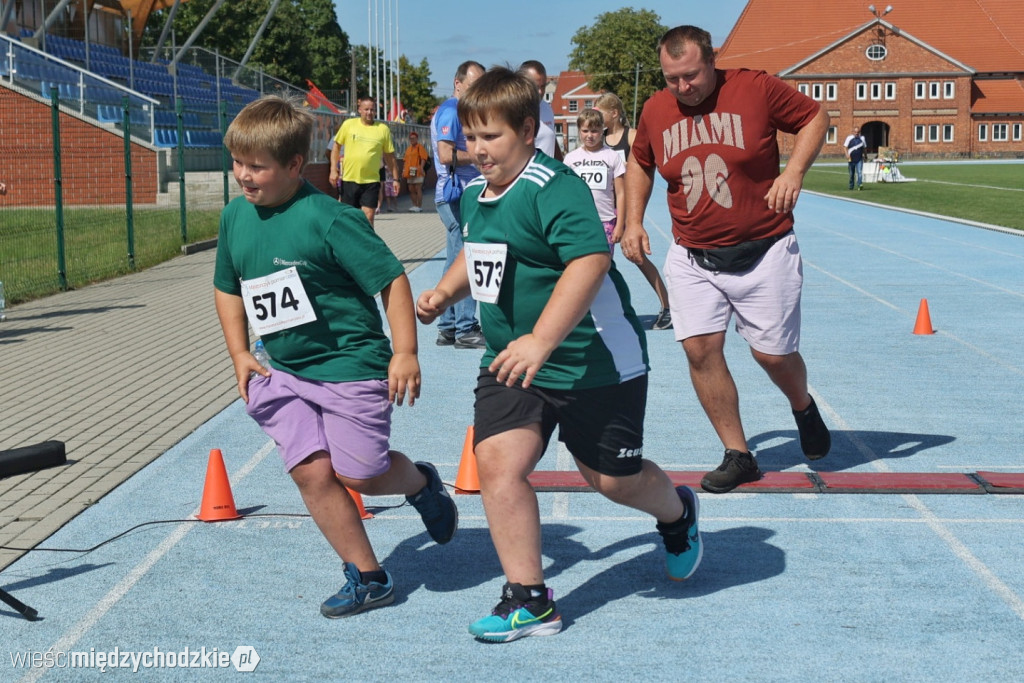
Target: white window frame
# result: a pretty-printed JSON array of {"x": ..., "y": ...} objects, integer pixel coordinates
[
  {"x": 862, "y": 91},
  {"x": 934, "y": 90},
  {"x": 890, "y": 90},
  {"x": 933, "y": 132},
  {"x": 574, "y": 106},
  {"x": 1017, "y": 132},
  {"x": 831, "y": 91},
  {"x": 947, "y": 132},
  {"x": 982, "y": 132},
  {"x": 1000, "y": 132},
  {"x": 948, "y": 90},
  {"x": 803, "y": 88},
  {"x": 919, "y": 133},
  {"x": 816, "y": 92},
  {"x": 920, "y": 90},
  {"x": 876, "y": 52},
  {"x": 831, "y": 137},
  {"x": 876, "y": 90}
]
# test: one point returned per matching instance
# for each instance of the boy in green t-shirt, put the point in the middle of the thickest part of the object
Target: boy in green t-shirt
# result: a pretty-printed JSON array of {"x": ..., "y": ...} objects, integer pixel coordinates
[
  {"x": 564, "y": 348},
  {"x": 303, "y": 270}
]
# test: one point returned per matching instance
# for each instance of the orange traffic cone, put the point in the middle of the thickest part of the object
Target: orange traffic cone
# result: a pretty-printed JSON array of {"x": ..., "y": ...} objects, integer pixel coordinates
[
  {"x": 924, "y": 320},
  {"x": 467, "y": 480},
  {"x": 218, "y": 504},
  {"x": 359, "y": 503}
]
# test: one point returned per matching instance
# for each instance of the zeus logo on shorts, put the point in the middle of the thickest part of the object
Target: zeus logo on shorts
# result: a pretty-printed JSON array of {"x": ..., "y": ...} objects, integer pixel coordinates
[{"x": 630, "y": 452}]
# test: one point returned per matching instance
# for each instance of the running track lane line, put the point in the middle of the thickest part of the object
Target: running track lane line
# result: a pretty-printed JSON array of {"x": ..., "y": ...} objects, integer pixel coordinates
[
  {"x": 910, "y": 314},
  {"x": 960, "y": 550},
  {"x": 66, "y": 642}
]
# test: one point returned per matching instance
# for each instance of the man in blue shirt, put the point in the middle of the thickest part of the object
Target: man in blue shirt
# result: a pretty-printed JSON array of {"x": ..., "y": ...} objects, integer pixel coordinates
[
  {"x": 458, "y": 325},
  {"x": 855, "y": 147}
]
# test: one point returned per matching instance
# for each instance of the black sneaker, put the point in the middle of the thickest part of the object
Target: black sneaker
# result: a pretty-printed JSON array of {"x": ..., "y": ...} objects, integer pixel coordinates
[
  {"x": 445, "y": 337},
  {"x": 435, "y": 506},
  {"x": 815, "y": 441},
  {"x": 663, "y": 321},
  {"x": 474, "y": 339},
  {"x": 737, "y": 468}
]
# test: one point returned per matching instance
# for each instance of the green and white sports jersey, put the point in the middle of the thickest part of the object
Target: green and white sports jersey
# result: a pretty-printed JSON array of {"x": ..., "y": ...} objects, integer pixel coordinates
[
  {"x": 546, "y": 218},
  {"x": 341, "y": 263}
]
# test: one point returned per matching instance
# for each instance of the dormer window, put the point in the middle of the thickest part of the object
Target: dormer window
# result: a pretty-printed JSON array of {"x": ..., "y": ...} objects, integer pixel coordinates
[{"x": 876, "y": 52}]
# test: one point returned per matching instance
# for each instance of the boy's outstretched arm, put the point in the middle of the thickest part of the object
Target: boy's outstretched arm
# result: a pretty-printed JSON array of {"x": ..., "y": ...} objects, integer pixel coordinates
[
  {"x": 453, "y": 287},
  {"x": 233, "y": 322},
  {"x": 404, "y": 369},
  {"x": 569, "y": 301}
]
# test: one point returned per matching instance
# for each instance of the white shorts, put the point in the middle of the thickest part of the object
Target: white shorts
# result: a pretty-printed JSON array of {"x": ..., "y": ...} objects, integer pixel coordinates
[{"x": 765, "y": 299}]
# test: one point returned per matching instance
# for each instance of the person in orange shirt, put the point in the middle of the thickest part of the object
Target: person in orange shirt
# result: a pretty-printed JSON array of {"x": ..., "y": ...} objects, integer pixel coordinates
[{"x": 414, "y": 170}]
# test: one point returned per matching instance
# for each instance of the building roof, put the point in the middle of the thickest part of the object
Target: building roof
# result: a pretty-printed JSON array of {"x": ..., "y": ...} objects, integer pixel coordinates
[
  {"x": 997, "y": 97},
  {"x": 773, "y": 35}
]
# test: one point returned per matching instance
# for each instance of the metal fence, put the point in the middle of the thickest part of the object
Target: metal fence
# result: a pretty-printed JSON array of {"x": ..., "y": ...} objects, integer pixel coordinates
[{"x": 95, "y": 192}]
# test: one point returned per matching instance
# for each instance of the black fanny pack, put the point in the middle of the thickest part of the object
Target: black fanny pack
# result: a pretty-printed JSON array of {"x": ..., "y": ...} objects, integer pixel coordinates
[{"x": 737, "y": 258}]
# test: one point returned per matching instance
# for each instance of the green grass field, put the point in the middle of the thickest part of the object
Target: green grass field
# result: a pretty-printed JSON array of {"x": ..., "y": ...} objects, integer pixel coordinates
[
  {"x": 95, "y": 245},
  {"x": 987, "y": 193}
]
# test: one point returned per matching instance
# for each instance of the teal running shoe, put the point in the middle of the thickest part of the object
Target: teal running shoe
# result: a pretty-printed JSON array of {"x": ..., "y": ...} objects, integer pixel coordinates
[
  {"x": 355, "y": 596},
  {"x": 518, "y": 615},
  {"x": 683, "y": 548}
]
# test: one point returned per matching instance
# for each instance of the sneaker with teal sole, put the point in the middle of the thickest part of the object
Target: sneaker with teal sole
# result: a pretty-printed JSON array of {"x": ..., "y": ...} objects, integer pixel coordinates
[
  {"x": 356, "y": 596},
  {"x": 518, "y": 615},
  {"x": 683, "y": 547},
  {"x": 436, "y": 507}
]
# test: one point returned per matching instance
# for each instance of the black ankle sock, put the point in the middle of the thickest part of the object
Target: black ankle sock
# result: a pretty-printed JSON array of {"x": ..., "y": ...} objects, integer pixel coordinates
[
  {"x": 678, "y": 526},
  {"x": 379, "y": 576}
]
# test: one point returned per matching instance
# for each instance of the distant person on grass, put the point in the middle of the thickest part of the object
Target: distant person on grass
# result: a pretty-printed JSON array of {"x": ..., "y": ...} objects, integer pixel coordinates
[
  {"x": 855, "y": 146},
  {"x": 564, "y": 349},
  {"x": 304, "y": 269}
]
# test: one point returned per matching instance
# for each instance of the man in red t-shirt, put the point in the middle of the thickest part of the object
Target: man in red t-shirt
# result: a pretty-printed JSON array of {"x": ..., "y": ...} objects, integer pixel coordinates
[{"x": 712, "y": 135}]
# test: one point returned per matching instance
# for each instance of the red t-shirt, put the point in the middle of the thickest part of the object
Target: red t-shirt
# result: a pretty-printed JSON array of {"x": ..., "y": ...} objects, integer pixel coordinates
[{"x": 721, "y": 157}]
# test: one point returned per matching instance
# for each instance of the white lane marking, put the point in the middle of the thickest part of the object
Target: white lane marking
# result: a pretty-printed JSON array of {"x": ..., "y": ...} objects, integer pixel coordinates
[{"x": 68, "y": 640}]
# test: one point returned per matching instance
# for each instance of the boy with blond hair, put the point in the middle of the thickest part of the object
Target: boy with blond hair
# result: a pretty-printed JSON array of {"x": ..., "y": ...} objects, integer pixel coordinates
[
  {"x": 564, "y": 349},
  {"x": 303, "y": 270}
]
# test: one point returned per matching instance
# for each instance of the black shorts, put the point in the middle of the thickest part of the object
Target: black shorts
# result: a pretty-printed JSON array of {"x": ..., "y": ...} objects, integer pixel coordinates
[
  {"x": 360, "y": 195},
  {"x": 602, "y": 427}
]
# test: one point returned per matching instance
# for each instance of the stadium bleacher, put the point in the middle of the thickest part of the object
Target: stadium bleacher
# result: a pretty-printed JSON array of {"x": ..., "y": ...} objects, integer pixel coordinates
[{"x": 76, "y": 64}]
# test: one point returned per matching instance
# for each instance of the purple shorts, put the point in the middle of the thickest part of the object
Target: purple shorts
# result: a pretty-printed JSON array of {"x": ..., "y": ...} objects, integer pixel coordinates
[{"x": 349, "y": 420}]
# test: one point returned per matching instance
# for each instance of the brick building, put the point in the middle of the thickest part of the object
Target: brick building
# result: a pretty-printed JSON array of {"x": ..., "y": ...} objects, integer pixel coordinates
[{"x": 928, "y": 79}]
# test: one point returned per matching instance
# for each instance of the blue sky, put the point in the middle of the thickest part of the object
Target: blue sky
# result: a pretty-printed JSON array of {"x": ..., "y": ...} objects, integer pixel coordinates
[{"x": 447, "y": 32}]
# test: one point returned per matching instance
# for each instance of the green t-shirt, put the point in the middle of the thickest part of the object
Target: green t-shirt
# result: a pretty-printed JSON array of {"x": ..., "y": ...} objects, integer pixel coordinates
[
  {"x": 342, "y": 264},
  {"x": 547, "y": 218}
]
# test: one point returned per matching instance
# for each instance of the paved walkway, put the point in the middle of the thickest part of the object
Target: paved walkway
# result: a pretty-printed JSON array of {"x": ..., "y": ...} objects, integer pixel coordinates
[{"x": 121, "y": 372}]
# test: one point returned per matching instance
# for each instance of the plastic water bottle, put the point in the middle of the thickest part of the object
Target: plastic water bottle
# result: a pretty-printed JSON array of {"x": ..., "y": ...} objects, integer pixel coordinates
[
  {"x": 260, "y": 354},
  {"x": 3, "y": 303}
]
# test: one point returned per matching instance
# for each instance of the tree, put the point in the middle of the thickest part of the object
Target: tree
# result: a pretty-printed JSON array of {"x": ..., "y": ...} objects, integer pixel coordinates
[
  {"x": 610, "y": 50},
  {"x": 417, "y": 89},
  {"x": 303, "y": 39}
]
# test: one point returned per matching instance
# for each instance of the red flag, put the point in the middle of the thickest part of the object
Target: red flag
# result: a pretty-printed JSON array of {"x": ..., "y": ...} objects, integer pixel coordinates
[{"x": 316, "y": 98}]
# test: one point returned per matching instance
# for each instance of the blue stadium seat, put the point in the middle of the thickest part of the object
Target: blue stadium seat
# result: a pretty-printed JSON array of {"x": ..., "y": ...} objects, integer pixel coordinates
[{"x": 165, "y": 137}]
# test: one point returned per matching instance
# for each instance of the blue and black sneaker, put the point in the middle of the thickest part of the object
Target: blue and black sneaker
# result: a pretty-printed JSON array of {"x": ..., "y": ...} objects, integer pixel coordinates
[
  {"x": 356, "y": 596},
  {"x": 683, "y": 548},
  {"x": 519, "y": 614},
  {"x": 435, "y": 506}
]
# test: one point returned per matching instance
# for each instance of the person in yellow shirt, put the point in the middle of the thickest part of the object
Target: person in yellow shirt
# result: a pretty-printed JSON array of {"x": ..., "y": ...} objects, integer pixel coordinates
[
  {"x": 414, "y": 170},
  {"x": 366, "y": 142}
]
